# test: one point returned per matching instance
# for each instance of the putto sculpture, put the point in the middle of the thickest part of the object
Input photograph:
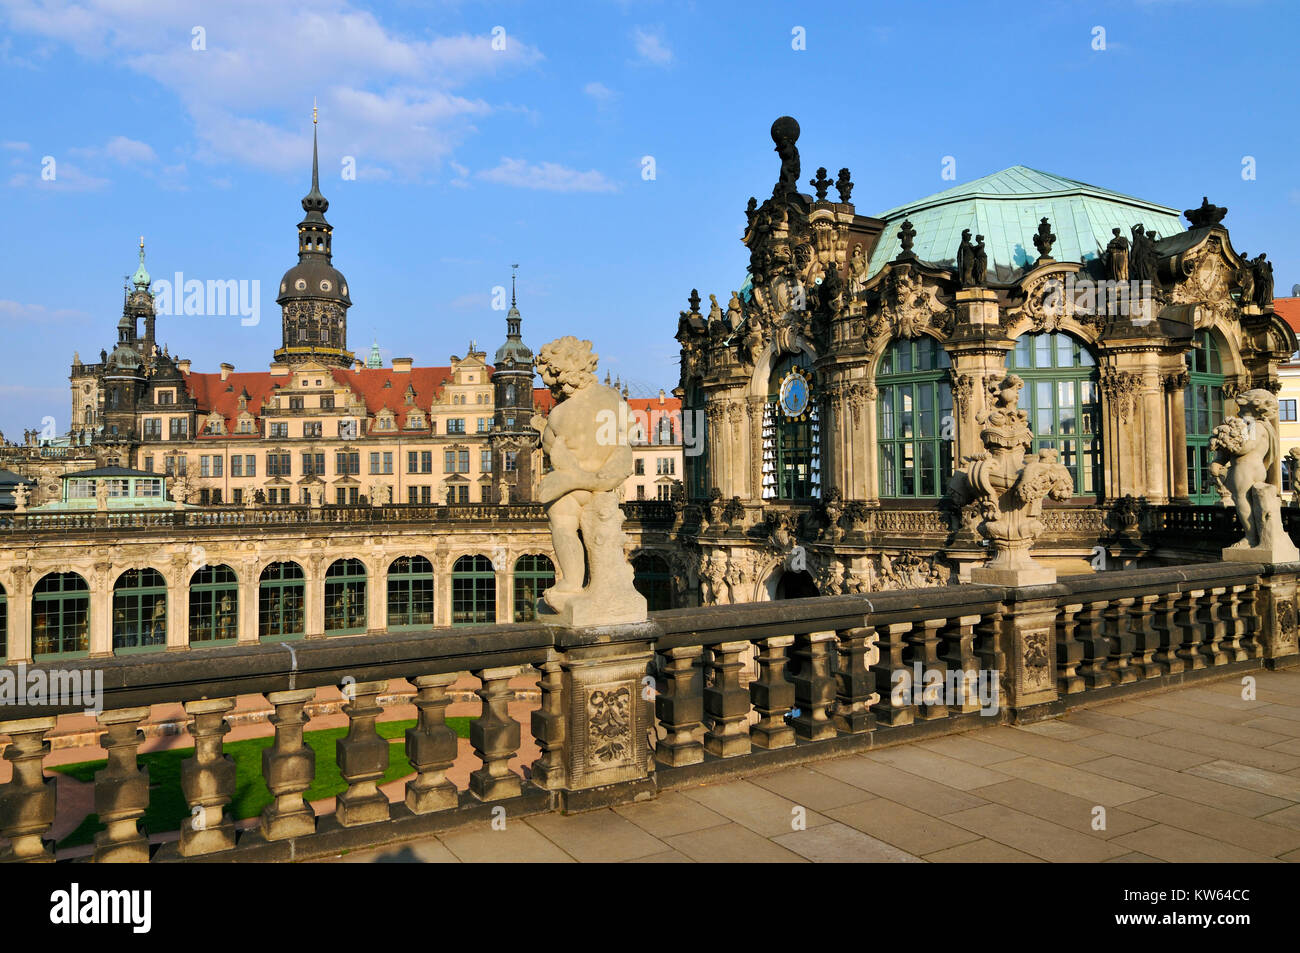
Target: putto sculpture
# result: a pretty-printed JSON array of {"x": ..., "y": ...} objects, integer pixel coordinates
[
  {"x": 586, "y": 438},
  {"x": 1010, "y": 487},
  {"x": 1249, "y": 463}
]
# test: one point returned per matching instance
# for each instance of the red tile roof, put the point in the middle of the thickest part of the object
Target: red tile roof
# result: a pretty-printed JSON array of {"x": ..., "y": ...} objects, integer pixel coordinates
[{"x": 1289, "y": 310}]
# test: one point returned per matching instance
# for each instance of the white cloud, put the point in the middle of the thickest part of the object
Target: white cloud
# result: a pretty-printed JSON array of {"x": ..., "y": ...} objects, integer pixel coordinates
[
  {"x": 547, "y": 176},
  {"x": 651, "y": 47},
  {"x": 14, "y": 146},
  {"x": 385, "y": 98},
  {"x": 67, "y": 178},
  {"x": 599, "y": 92},
  {"x": 122, "y": 149},
  {"x": 18, "y": 313}
]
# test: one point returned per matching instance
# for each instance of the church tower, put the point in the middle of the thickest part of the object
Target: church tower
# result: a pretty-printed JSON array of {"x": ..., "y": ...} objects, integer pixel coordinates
[
  {"x": 313, "y": 297},
  {"x": 513, "y": 439}
]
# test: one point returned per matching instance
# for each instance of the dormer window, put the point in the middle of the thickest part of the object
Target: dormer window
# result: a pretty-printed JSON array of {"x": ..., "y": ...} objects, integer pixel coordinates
[{"x": 164, "y": 396}]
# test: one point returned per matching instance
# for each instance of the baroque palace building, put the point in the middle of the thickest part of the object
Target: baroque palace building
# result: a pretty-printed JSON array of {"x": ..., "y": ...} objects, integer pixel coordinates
[
  {"x": 325, "y": 496},
  {"x": 847, "y": 376}
]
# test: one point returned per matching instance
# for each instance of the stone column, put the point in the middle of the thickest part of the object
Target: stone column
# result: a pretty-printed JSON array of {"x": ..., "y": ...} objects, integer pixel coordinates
[
  {"x": 431, "y": 747},
  {"x": 121, "y": 789},
  {"x": 19, "y": 587},
  {"x": 288, "y": 767},
  {"x": 313, "y": 594},
  {"x": 362, "y": 757},
  {"x": 27, "y": 799},
  {"x": 377, "y": 595},
  {"x": 208, "y": 780},
  {"x": 495, "y": 737},
  {"x": 101, "y": 610},
  {"x": 1175, "y": 385},
  {"x": 1155, "y": 441},
  {"x": 178, "y": 603},
  {"x": 249, "y": 582}
]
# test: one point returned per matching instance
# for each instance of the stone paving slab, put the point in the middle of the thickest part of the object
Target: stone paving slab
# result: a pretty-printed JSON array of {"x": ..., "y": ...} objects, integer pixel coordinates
[{"x": 1193, "y": 775}]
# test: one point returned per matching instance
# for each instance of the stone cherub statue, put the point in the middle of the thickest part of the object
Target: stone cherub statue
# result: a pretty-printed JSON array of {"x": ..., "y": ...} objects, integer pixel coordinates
[
  {"x": 1250, "y": 463},
  {"x": 1010, "y": 487},
  {"x": 585, "y": 437}
]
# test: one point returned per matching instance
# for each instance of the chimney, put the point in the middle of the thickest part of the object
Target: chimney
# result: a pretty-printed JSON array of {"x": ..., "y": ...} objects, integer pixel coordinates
[
  {"x": 661, "y": 395},
  {"x": 184, "y": 366},
  {"x": 226, "y": 370},
  {"x": 356, "y": 367},
  {"x": 402, "y": 365}
]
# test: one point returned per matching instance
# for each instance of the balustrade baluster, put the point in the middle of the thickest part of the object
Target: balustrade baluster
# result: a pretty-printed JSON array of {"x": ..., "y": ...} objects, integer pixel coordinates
[
  {"x": 549, "y": 728},
  {"x": 958, "y": 658},
  {"x": 27, "y": 798},
  {"x": 726, "y": 702},
  {"x": 814, "y": 686},
  {"x": 1120, "y": 639},
  {"x": 1146, "y": 639},
  {"x": 121, "y": 789},
  {"x": 854, "y": 681},
  {"x": 895, "y": 706},
  {"x": 431, "y": 747},
  {"x": 772, "y": 695},
  {"x": 1187, "y": 617},
  {"x": 1069, "y": 652},
  {"x": 1164, "y": 620},
  {"x": 1091, "y": 635},
  {"x": 1210, "y": 613},
  {"x": 495, "y": 737},
  {"x": 1234, "y": 626},
  {"x": 925, "y": 642},
  {"x": 1251, "y": 601},
  {"x": 680, "y": 706},
  {"x": 208, "y": 780},
  {"x": 288, "y": 767},
  {"x": 362, "y": 757}
]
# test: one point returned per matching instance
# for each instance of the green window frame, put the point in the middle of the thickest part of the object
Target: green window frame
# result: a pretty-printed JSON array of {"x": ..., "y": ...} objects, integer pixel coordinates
[
  {"x": 1203, "y": 411},
  {"x": 214, "y": 605},
  {"x": 281, "y": 602},
  {"x": 473, "y": 591},
  {"x": 534, "y": 574},
  {"x": 410, "y": 593},
  {"x": 139, "y": 611},
  {"x": 916, "y": 428},
  {"x": 60, "y": 617},
  {"x": 697, "y": 465},
  {"x": 1063, "y": 399},
  {"x": 653, "y": 579},
  {"x": 790, "y": 445},
  {"x": 345, "y": 597}
]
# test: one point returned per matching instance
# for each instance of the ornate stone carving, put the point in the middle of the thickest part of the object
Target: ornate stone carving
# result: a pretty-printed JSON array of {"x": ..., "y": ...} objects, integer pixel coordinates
[
  {"x": 909, "y": 306},
  {"x": 844, "y": 185},
  {"x": 1207, "y": 215},
  {"x": 963, "y": 389},
  {"x": 1010, "y": 488},
  {"x": 1207, "y": 278},
  {"x": 908, "y": 570},
  {"x": 1121, "y": 389},
  {"x": 821, "y": 183},
  {"x": 609, "y": 726},
  {"x": 1248, "y": 459},
  {"x": 1176, "y": 381},
  {"x": 585, "y": 436},
  {"x": 1035, "y": 658},
  {"x": 1044, "y": 239}
]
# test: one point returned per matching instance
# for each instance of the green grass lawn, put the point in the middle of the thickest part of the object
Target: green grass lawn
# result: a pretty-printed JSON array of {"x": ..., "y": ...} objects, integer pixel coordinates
[{"x": 167, "y": 809}]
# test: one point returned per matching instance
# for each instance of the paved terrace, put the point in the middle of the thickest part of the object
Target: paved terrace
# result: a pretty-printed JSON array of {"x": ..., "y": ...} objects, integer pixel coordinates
[{"x": 1190, "y": 775}]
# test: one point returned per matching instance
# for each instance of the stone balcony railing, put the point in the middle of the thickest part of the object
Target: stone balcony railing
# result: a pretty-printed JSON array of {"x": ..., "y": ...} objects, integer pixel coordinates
[{"x": 628, "y": 711}]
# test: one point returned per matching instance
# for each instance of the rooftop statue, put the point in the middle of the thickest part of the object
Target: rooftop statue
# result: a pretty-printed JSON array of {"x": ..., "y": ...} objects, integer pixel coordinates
[
  {"x": 1249, "y": 462},
  {"x": 979, "y": 263},
  {"x": 1010, "y": 487},
  {"x": 785, "y": 133},
  {"x": 1117, "y": 257},
  {"x": 586, "y": 439},
  {"x": 965, "y": 260},
  {"x": 1045, "y": 239}
]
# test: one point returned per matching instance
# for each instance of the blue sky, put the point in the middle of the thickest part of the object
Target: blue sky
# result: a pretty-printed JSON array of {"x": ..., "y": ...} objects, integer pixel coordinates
[{"x": 470, "y": 158}]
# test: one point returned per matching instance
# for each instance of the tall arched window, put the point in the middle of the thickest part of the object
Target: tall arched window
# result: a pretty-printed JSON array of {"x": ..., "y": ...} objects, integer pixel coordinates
[
  {"x": 60, "y": 616},
  {"x": 534, "y": 574},
  {"x": 473, "y": 591},
  {"x": 696, "y": 463},
  {"x": 1203, "y": 406},
  {"x": 410, "y": 592},
  {"x": 345, "y": 597},
  {"x": 281, "y": 596},
  {"x": 790, "y": 433},
  {"x": 916, "y": 426},
  {"x": 1063, "y": 401},
  {"x": 214, "y": 605},
  {"x": 653, "y": 580},
  {"x": 139, "y": 610}
]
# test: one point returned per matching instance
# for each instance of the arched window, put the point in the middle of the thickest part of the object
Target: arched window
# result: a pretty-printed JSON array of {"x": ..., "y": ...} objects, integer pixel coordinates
[
  {"x": 790, "y": 433},
  {"x": 1063, "y": 402},
  {"x": 1203, "y": 406},
  {"x": 653, "y": 580},
  {"x": 60, "y": 616},
  {"x": 345, "y": 597},
  {"x": 139, "y": 610},
  {"x": 410, "y": 592},
  {"x": 214, "y": 605},
  {"x": 696, "y": 462},
  {"x": 916, "y": 427},
  {"x": 281, "y": 597},
  {"x": 534, "y": 574},
  {"x": 473, "y": 591}
]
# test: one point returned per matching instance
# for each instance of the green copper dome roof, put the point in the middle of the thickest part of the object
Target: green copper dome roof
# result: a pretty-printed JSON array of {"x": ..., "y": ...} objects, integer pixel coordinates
[
  {"x": 1005, "y": 208},
  {"x": 141, "y": 277}
]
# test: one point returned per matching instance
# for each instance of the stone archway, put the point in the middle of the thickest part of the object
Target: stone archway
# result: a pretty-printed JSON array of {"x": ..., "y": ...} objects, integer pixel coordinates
[{"x": 796, "y": 585}]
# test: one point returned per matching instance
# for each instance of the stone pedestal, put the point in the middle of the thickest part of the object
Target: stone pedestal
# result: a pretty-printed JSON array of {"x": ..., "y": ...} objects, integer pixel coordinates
[
  {"x": 1280, "y": 550},
  {"x": 1038, "y": 576},
  {"x": 1027, "y": 632}
]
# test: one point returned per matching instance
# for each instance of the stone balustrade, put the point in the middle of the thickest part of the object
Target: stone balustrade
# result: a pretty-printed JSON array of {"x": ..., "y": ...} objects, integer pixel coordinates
[{"x": 628, "y": 711}]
